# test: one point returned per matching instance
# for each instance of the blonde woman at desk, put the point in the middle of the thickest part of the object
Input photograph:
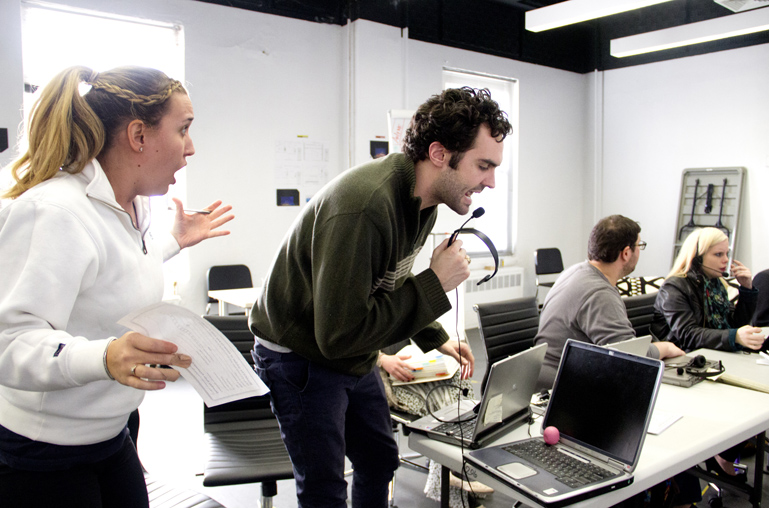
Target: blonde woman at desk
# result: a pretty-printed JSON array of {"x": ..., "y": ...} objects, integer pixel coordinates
[
  {"x": 693, "y": 310},
  {"x": 76, "y": 255}
]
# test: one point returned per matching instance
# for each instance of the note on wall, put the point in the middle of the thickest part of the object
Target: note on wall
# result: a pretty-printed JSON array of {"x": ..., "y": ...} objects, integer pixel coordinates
[
  {"x": 398, "y": 121},
  {"x": 301, "y": 164}
]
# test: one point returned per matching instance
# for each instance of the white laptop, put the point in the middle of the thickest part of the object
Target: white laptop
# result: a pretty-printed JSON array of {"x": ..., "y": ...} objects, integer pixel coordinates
[
  {"x": 504, "y": 403},
  {"x": 635, "y": 346},
  {"x": 602, "y": 403}
]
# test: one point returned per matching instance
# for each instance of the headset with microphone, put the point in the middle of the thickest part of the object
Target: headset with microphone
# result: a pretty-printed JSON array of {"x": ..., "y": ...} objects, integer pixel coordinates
[
  {"x": 697, "y": 261},
  {"x": 700, "y": 367},
  {"x": 485, "y": 239}
]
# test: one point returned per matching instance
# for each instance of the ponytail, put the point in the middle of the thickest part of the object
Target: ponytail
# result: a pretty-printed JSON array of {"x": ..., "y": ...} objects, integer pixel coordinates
[
  {"x": 63, "y": 133},
  {"x": 66, "y": 130}
]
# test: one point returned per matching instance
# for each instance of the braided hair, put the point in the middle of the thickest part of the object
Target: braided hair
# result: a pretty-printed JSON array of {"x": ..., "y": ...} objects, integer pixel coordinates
[{"x": 67, "y": 129}]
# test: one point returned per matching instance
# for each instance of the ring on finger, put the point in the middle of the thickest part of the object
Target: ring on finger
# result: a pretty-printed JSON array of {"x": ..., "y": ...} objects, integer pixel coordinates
[
  {"x": 467, "y": 258},
  {"x": 133, "y": 369}
]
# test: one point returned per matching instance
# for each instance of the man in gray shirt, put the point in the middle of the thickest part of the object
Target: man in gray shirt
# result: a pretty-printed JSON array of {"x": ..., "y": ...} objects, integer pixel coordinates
[{"x": 584, "y": 303}]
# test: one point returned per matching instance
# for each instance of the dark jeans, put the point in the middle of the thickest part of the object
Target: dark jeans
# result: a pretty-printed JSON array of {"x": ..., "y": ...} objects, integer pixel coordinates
[
  {"x": 325, "y": 415},
  {"x": 115, "y": 482}
]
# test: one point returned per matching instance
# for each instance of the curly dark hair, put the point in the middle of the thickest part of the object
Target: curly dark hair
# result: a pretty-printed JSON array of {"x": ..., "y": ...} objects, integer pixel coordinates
[
  {"x": 610, "y": 237},
  {"x": 453, "y": 118}
]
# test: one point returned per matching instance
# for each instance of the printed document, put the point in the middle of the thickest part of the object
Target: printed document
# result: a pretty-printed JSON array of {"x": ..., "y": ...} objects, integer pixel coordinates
[{"x": 218, "y": 372}]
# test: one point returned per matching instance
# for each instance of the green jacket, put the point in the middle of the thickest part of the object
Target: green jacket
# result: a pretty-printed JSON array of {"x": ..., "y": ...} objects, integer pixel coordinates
[{"x": 340, "y": 288}]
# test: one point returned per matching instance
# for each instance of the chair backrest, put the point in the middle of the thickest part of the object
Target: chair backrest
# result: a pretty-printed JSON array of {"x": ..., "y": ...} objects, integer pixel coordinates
[
  {"x": 228, "y": 277},
  {"x": 236, "y": 329},
  {"x": 506, "y": 328},
  {"x": 548, "y": 261},
  {"x": 640, "y": 311},
  {"x": 761, "y": 282}
]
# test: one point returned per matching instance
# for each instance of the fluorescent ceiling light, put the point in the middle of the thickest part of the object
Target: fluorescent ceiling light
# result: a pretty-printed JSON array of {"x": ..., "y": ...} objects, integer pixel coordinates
[
  {"x": 576, "y": 11},
  {"x": 694, "y": 33},
  {"x": 741, "y": 5}
]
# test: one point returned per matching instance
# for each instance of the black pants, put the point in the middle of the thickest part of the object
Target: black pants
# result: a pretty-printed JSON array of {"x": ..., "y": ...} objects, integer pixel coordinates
[
  {"x": 325, "y": 415},
  {"x": 115, "y": 482}
]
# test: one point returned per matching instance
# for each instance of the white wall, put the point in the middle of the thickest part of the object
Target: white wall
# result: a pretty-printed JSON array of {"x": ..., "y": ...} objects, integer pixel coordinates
[
  {"x": 255, "y": 79},
  {"x": 704, "y": 111},
  {"x": 11, "y": 81}
]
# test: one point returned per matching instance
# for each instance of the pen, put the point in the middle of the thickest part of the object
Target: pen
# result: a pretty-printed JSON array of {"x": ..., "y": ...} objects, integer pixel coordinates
[{"x": 190, "y": 210}]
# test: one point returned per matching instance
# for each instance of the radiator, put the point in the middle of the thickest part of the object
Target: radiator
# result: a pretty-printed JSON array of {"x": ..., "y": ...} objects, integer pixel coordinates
[{"x": 506, "y": 284}]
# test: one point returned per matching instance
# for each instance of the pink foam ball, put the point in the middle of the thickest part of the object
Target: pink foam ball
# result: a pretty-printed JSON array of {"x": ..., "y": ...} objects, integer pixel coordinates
[{"x": 551, "y": 435}]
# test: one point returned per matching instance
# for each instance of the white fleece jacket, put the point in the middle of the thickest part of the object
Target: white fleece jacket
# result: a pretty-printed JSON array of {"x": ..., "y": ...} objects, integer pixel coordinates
[{"x": 71, "y": 265}]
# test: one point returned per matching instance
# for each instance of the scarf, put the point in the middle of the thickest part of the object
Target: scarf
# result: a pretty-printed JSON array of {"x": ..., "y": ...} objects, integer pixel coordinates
[{"x": 716, "y": 304}]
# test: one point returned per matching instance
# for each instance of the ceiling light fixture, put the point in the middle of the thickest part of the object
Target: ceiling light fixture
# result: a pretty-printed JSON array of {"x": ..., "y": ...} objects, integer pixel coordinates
[
  {"x": 742, "y": 5},
  {"x": 576, "y": 11},
  {"x": 694, "y": 33}
]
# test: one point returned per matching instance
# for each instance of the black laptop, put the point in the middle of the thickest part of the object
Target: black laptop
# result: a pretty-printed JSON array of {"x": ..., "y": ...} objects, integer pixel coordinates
[{"x": 602, "y": 403}]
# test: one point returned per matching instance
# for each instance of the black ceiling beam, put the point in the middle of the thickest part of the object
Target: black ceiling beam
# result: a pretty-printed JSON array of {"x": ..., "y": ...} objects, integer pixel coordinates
[{"x": 497, "y": 27}]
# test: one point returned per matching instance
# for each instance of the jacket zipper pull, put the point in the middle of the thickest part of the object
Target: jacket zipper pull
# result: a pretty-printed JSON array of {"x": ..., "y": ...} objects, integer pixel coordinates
[{"x": 144, "y": 246}]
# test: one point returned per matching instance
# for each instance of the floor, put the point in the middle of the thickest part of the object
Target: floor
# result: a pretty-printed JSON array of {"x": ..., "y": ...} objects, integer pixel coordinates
[{"x": 171, "y": 448}]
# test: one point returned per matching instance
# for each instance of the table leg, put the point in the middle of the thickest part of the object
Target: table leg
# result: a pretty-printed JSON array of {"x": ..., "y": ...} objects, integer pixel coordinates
[
  {"x": 758, "y": 473},
  {"x": 445, "y": 472}
]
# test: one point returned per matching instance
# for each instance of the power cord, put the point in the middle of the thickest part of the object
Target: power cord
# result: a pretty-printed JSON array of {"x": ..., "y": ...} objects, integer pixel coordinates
[{"x": 461, "y": 436}]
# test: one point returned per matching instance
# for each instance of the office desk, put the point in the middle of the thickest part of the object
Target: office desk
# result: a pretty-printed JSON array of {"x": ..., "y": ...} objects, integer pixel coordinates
[
  {"x": 715, "y": 417},
  {"x": 242, "y": 297}
]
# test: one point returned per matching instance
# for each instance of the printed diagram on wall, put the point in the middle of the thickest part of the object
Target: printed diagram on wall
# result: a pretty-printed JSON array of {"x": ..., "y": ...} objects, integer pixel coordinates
[
  {"x": 301, "y": 165},
  {"x": 397, "y": 122}
]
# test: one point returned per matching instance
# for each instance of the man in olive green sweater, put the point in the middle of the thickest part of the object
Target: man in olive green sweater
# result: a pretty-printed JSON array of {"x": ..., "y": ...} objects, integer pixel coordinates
[{"x": 340, "y": 289}]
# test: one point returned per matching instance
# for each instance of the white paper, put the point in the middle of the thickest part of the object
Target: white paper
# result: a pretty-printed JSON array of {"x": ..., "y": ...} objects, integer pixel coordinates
[
  {"x": 418, "y": 356},
  {"x": 493, "y": 410},
  {"x": 219, "y": 373},
  {"x": 661, "y": 421}
]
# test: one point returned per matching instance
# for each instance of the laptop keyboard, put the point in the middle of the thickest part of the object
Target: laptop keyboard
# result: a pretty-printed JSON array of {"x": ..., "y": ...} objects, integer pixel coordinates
[
  {"x": 567, "y": 470},
  {"x": 464, "y": 428}
]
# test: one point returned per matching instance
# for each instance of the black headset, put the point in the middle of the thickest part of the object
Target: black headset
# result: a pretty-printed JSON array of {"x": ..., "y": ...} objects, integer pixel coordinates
[
  {"x": 697, "y": 367},
  {"x": 485, "y": 239}
]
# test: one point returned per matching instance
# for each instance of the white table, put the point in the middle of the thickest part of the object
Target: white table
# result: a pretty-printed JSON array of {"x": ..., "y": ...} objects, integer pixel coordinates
[
  {"x": 242, "y": 297},
  {"x": 715, "y": 417}
]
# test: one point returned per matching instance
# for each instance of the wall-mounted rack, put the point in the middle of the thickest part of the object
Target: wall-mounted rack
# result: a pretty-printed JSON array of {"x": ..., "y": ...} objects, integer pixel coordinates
[{"x": 709, "y": 197}]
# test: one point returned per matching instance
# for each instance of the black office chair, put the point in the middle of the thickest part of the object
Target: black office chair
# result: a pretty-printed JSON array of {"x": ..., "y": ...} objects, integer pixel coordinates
[
  {"x": 547, "y": 262},
  {"x": 227, "y": 277},
  {"x": 507, "y": 327},
  {"x": 162, "y": 494},
  {"x": 244, "y": 443},
  {"x": 640, "y": 311}
]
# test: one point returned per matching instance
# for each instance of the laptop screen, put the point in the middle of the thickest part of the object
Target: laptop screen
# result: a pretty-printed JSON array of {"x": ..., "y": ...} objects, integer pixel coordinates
[{"x": 602, "y": 399}]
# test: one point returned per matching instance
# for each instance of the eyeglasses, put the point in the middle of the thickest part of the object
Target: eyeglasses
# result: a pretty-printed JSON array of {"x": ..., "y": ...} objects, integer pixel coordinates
[{"x": 641, "y": 245}]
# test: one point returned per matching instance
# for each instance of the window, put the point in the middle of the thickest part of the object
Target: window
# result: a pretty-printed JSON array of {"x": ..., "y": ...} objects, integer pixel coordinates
[
  {"x": 499, "y": 221},
  {"x": 55, "y": 37}
]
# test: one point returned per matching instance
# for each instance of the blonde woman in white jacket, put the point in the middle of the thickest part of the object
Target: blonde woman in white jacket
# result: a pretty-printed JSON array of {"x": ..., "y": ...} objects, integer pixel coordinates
[{"x": 76, "y": 255}]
